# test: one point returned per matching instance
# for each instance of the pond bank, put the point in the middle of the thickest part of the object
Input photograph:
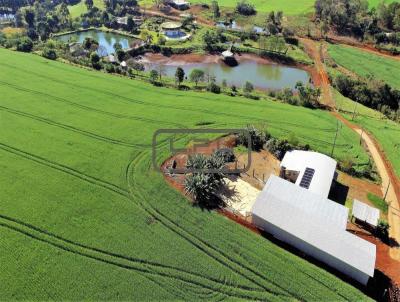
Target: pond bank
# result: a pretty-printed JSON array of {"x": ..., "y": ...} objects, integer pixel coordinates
[{"x": 263, "y": 73}]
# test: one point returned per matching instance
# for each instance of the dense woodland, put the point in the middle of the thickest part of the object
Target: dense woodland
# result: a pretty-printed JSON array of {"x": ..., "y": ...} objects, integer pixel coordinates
[{"x": 352, "y": 17}]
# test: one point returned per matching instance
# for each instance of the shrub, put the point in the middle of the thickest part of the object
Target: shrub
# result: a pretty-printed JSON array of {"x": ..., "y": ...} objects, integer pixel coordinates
[
  {"x": 258, "y": 138},
  {"x": 248, "y": 88},
  {"x": 49, "y": 54},
  {"x": 226, "y": 154},
  {"x": 203, "y": 186},
  {"x": 382, "y": 230},
  {"x": 153, "y": 76},
  {"x": 278, "y": 147},
  {"x": 110, "y": 68},
  {"x": 347, "y": 165},
  {"x": 214, "y": 88},
  {"x": 246, "y": 9},
  {"x": 95, "y": 60},
  {"x": 24, "y": 44}
]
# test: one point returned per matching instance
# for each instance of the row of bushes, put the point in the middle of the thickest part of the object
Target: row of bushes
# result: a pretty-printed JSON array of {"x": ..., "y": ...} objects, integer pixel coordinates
[
  {"x": 371, "y": 93},
  {"x": 262, "y": 139}
]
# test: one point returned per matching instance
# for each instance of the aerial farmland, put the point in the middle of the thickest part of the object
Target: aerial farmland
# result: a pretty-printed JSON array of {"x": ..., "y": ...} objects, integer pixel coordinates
[{"x": 176, "y": 151}]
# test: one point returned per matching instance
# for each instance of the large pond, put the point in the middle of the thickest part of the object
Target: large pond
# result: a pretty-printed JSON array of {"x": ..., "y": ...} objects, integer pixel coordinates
[
  {"x": 261, "y": 73},
  {"x": 105, "y": 39}
]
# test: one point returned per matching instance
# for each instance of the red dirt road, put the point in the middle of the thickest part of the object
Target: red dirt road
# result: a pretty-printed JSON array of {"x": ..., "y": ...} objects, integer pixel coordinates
[
  {"x": 314, "y": 52},
  {"x": 389, "y": 180}
]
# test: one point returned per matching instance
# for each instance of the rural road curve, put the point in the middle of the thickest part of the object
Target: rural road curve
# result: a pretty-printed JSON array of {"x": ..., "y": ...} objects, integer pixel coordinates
[
  {"x": 315, "y": 53},
  {"x": 385, "y": 170},
  {"x": 389, "y": 180}
]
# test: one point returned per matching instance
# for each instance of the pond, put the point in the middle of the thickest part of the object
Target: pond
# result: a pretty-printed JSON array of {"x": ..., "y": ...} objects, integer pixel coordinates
[
  {"x": 105, "y": 39},
  {"x": 262, "y": 73}
]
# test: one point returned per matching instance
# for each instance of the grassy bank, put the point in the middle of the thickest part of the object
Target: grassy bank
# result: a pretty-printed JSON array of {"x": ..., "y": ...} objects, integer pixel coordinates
[
  {"x": 384, "y": 130},
  {"x": 82, "y": 204},
  {"x": 80, "y": 8}
]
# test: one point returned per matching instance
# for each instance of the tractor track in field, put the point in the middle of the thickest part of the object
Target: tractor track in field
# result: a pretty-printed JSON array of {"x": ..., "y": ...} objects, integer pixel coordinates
[
  {"x": 157, "y": 214},
  {"x": 129, "y": 265},
  {"x": 209, "y": 250},
  {"x": 67, "y": 170},
  {"x": 127, "y": 261},
  {"x": 123, "y": 116},
  {"x": 71, "y": 128},
  {"x": 87, "y": 108},
  {"x": 97, "y": 182},
  {"x": 136, "y": 101}
]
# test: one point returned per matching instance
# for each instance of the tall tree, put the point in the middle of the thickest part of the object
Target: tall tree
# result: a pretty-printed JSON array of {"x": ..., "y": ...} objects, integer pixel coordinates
[
  {"x": 215, "y": 9},
  {"x": 29, "y": 17},
  {"x": 196, "y": 76},
  {"x": 89, "y": 4},
  {"x": 179, "y": 75}
]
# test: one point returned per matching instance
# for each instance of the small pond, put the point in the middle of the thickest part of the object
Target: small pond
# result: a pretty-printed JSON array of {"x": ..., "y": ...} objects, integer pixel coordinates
[
  {"x": 105, "y": 39},
  {"x": 261, "y": 73}
]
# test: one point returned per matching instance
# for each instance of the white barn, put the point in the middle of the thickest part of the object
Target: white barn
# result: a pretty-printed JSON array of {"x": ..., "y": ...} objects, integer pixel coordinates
[
  {"x": 311, "y": 170},
  {"x": 314, "y": 225}
]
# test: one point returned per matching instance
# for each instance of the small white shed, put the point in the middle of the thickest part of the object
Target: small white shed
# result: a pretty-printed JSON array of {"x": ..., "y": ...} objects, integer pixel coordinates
[{"x": 366, "y": 213}]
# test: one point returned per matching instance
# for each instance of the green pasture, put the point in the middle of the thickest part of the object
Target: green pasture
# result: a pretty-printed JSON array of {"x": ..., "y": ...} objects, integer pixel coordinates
[
  {"x": 384, "y": 130},
  {"x": 289, "y": 7},
  {"x": 365, "y": 64},
  {"x": 80, "y": 8},
  {"x": 83, "y": 215}
]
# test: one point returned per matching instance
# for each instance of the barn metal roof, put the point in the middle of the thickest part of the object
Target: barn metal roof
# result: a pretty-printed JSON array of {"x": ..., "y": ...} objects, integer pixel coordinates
[
  {"x": 302, "y": 200},
  {"x": 317, "y": 221},
  {"x": 324, "y": 169},
  {"x": 366, "y": 213}
]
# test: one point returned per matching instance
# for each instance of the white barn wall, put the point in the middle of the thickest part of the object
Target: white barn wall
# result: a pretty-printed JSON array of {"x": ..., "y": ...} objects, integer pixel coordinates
[{"x": 311, "y": 250}]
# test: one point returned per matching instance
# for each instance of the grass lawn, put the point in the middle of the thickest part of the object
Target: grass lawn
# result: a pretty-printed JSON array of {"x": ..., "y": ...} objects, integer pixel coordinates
[
  {"x": 378, "y": 202},
  {"x": 365, "y": 63},
  {"x": 83, "y": 216},
  {"x": 385, "y": 131},
  {"x": 80, "y": 8}
]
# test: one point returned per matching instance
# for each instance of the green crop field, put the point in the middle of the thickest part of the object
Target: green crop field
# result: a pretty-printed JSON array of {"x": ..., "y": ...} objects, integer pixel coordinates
[
  {"x": 384, "y": 130},
  {"x": 80, "y": 8},
  {"x": 84, "y": 216},
  {"x": 289, "y": 7},
  {"x": 364, "y": 63}
]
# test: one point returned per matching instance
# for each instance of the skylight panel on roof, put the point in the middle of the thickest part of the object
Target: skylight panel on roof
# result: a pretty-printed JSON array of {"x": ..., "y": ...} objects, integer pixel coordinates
[{"x": 307, "y": 177}]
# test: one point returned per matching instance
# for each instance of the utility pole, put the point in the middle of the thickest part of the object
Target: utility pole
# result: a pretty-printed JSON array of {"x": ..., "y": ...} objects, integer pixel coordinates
[
  {"x": 354, "y": 112},
  {"x": 387, "y": 189},
  {"x": 334, "y": 141},
  {"x": 362, "y": 131}
]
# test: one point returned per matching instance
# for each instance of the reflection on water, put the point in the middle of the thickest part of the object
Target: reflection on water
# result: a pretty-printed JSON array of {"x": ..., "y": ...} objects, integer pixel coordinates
[
  {"x": 262, "y": 76},
  {"x": 105, "y": 39}
]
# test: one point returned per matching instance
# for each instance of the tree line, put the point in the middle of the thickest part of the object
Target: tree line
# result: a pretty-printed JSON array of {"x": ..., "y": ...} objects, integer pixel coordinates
[{"x": 353, "y": 17}]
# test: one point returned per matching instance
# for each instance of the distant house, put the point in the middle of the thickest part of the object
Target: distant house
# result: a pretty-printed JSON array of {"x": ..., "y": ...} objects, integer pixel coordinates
[
  {"x": 111, "y": 59},
  {"x": 172, "y": 30},
  {"x": 179, "y": 4},
  {"x": 122, "y": 20},
  {"x": 310, "y": 170},
  {"x": 314, "y": 225}
]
